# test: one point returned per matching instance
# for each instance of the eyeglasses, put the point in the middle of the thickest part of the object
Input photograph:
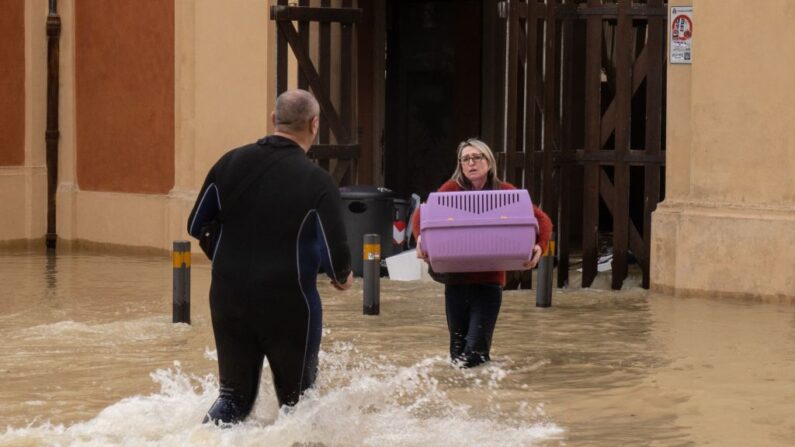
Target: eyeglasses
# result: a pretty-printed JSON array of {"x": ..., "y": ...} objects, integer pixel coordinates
[{"x": 474, "y": 157}]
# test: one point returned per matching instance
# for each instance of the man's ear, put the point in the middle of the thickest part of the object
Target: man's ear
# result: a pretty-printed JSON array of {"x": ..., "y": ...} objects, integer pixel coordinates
[
  {"x": 314, "y": 125},
  {"x": 273, "y": 119}
]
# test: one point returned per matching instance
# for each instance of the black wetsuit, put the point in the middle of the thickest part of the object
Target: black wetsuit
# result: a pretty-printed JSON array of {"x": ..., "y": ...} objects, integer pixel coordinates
[{"x": 263, "y": 298}]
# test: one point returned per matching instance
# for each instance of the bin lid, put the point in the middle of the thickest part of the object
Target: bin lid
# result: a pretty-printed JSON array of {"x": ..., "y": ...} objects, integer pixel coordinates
[{"x": 365, "y": 192}]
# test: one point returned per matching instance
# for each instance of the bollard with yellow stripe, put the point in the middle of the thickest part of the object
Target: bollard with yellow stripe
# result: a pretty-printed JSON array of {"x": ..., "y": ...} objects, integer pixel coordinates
[
  {"x": 371, "y": 252},
  {"x": 551, "y": 246},
  {"x": 544, "y": 277},
  {"x": 180, "y": 260},
  {"x": 371, "y": 274}
]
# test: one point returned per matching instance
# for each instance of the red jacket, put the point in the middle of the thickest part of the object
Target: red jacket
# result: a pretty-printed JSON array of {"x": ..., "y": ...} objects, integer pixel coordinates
[{"x": 544, "y": 233}]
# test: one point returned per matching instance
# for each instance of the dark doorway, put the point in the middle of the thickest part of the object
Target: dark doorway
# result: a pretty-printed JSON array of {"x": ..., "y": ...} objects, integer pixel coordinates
[{"x": 433, "y": 90}]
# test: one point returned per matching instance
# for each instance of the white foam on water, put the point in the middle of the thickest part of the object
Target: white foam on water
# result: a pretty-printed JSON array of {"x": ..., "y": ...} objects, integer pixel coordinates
[
  {"x": 109, "y": 333},
  {"x": 358, "y": 401}
]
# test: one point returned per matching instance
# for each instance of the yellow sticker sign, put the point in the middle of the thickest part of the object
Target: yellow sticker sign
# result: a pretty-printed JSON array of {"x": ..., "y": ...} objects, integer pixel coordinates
[
  {"x": 178, "y": 258},
  {"x": 371, "y": 252},
  {"x": 550, "y": 248}
]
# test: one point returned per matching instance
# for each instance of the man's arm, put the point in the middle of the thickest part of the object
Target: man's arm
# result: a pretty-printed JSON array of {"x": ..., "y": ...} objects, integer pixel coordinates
[
  {"x": 337, "y": 256},
  {"x": 207, "y": 206}
]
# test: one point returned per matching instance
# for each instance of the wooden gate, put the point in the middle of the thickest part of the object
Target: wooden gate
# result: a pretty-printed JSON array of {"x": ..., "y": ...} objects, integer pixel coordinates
[
  {"x": 338, "y": 146},
  {"x": 583, "y": 125}
]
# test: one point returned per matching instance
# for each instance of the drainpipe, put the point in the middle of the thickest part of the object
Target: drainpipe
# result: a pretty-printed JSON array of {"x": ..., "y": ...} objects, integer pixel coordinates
[{"x": 51, "y": 136}]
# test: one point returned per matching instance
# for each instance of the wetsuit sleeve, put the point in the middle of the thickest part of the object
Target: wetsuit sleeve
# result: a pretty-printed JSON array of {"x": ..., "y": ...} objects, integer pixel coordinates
[
  {"x": 207, "y": 206},
  {"x": 335, "y": 254}
]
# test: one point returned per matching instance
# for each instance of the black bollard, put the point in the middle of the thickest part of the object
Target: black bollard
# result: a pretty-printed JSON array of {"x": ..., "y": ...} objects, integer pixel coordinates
[
  {"x": 180, "y": 258},
  {"x": 544, "y": 279},
  {"x": 371, "y": 273}
]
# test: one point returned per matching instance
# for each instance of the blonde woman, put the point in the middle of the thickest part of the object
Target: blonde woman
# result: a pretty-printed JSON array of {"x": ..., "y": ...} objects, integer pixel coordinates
[{"x": 473, "y": 299}]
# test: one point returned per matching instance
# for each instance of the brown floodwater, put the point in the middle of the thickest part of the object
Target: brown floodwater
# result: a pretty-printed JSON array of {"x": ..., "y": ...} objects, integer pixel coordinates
[{"x": 90, "y": 357}]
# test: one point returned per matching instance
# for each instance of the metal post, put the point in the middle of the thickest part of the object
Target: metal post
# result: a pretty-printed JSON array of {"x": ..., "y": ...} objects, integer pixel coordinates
[
  {"x": 52, "y": 133},
  {"x": 371, "y": 273},
  {"x": 181, "y": 297},
  {"x": 544, "y": 280}
]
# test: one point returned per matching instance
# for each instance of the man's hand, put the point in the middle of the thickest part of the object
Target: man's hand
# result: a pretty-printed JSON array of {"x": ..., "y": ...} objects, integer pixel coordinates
[
  {"x": 345, "y": 285},
  {"x": 532, "y": 262}
]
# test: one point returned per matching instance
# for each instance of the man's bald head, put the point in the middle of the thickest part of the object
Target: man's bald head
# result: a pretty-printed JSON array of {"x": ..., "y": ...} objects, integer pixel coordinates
[{"x": 294, "y": 111}]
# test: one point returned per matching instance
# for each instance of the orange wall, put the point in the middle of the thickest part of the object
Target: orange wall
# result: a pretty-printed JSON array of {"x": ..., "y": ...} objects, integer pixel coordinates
[
  {"x": 12, "y": 82},
  {"x": 125, "y": 95}
]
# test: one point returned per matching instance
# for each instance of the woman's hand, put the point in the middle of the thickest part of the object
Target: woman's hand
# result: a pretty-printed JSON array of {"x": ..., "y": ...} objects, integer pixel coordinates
[
  {"x": 421, "y": 254},
  {"x": 532, "y": 262}
]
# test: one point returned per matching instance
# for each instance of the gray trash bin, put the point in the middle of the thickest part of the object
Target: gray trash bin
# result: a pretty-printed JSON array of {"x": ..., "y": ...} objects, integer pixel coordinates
[{"x": 367, "y": 209}]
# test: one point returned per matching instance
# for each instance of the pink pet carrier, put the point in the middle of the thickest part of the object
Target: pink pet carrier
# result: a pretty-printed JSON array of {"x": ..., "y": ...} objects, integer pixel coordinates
[{"x": 478, "y": 231}]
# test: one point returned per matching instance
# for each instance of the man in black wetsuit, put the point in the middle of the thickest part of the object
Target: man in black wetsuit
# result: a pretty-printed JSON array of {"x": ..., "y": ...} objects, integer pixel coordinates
[{"x": 274, "y": 237}]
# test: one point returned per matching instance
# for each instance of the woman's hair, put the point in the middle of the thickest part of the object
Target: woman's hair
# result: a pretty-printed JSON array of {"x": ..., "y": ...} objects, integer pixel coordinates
[{"x": 492, "y": 180}]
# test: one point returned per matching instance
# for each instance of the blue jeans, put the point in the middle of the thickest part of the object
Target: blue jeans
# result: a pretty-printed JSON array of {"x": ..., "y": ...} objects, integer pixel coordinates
[{"x": 472, "y": 311}]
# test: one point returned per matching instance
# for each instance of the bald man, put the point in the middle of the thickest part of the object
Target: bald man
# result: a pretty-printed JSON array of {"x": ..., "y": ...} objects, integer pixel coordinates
[{"x": 274, "y": 237}]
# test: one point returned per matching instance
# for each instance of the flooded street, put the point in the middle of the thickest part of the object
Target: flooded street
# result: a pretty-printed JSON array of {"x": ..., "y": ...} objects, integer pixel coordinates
[{"x": 90, "y": 357}]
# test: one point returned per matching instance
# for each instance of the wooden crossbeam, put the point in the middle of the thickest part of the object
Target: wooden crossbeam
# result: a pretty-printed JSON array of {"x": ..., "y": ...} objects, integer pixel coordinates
[
  {"x": 610, "y": 11},
  {"x": 545, "y": 150},
  {"x": 342, "y": 168},
  {"x": 634, "y": 157},
  {"x": 521, "y": 9},
  {"x": 284, "y": 13},
  {"x": 299, "y": 48},
  {"x": 337, "y": 123},
  {"x": 608, "y": 193},
  {"x": 327, "y": 151},
  {"x": 640, "y": 69}
]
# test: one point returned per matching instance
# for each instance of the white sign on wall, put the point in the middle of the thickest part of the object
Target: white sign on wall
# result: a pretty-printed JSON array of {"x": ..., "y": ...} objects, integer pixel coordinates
[{"x": 681, "y": 35}]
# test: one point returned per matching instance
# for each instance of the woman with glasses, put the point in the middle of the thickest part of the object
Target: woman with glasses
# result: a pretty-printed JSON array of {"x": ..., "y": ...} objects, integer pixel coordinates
[{"x": 473, "y": 299}]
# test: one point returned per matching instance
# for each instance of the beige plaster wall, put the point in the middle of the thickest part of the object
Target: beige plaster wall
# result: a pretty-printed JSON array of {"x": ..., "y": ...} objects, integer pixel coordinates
[
  {"x": 727, "y": 225},
  {"x": 222, "y": 100},
  {"x": 230, "y": 78},
  {"x": 225, "y": 91},
  {"x": 23, "y": 189}
]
